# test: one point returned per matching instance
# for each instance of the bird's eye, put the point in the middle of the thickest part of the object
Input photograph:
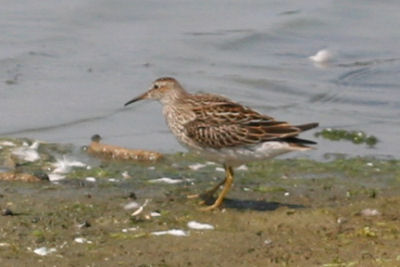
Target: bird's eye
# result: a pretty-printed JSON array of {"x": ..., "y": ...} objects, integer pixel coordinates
[{"x": 155, "y": 86}]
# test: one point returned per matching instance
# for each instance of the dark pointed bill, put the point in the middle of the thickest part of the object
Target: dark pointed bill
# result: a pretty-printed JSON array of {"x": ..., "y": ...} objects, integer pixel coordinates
[
  {"x": 135, "y": 99},
  {"x": 132, "y": 101}
]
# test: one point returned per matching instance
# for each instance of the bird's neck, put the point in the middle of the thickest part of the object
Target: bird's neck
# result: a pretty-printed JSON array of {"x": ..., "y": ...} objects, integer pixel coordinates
[{"x": 175, "y": 97}]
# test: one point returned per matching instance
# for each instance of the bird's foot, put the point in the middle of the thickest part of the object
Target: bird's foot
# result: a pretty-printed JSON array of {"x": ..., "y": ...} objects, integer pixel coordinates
[
  {"x": 208, "y": 194},
  {"x": 206, "y": 197},
  {"x": 214, "y": 206}
]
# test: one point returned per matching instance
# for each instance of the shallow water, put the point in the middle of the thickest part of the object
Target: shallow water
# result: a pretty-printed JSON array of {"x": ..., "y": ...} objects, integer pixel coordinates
[{"x": 67, "y": 68}]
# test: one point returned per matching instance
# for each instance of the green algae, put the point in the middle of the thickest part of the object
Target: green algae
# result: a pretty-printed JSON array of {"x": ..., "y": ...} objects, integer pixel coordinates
[{"x": 356, "y": 137}]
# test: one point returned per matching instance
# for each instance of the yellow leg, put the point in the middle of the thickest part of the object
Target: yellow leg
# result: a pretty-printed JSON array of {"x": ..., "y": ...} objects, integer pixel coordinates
[
  {"x": 208, "y": 193},
  {"x": 228, "y": 183}
]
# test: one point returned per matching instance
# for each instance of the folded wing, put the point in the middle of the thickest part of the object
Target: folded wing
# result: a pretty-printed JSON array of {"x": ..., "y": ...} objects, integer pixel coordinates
[{"x": 227, "y": 124}]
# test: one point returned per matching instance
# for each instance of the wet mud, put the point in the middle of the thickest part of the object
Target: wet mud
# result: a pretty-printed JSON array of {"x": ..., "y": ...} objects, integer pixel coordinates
[{"x": 284, "y": 212}]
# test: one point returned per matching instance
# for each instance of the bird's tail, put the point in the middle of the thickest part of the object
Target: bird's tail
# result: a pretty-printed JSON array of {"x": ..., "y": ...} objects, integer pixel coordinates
[
  {"x": 308, "y": 126},
  {"x": 302, "y": 143}
]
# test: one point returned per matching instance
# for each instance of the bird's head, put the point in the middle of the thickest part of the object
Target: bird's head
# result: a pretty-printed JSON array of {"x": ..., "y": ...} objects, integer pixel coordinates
[{"x": 165, "y": 90}]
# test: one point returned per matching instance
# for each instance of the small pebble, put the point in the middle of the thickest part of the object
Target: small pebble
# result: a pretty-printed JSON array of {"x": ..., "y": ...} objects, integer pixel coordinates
[
  {"x": 370, "y": 212},
  {"x": 132, "y": 195},
  {"x": 85, "y": 224},
  {"x": 7, "y": 212},
  {"x": 42, "y": 176},
  {"x": 267, "y": 242},
  {"x": 290, "y": 212}
]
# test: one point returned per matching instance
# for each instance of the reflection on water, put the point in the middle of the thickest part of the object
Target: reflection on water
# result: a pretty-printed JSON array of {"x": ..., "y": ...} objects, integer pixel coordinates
[{"x": 67, "y": 68}]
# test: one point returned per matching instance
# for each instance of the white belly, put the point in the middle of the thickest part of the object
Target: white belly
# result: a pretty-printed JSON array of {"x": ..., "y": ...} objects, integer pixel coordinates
[{"x": 236, "y": 156}]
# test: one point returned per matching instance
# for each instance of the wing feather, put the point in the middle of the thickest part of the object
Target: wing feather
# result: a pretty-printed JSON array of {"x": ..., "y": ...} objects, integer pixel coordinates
[{"x": 227, "y": 124}]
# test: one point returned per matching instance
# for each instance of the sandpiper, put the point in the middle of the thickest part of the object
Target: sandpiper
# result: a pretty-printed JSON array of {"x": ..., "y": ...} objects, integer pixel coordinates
[{"x": 222, "y": 130}]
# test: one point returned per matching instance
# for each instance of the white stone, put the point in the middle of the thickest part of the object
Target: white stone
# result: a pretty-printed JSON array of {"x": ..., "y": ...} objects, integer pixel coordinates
[
  {"x": 166, "y": 180},
  {"x": 43, "y": 251},
  {"x": 196, "y": 166},
  {"x": 200, "y": 226},
  {"x": 53, "y": 177},
  {"x": 82, "y": 240},
  {"x": 175, "y": 232},
  {"x": 90, "y": 179},
  {"x": 242, "y": 168}
]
